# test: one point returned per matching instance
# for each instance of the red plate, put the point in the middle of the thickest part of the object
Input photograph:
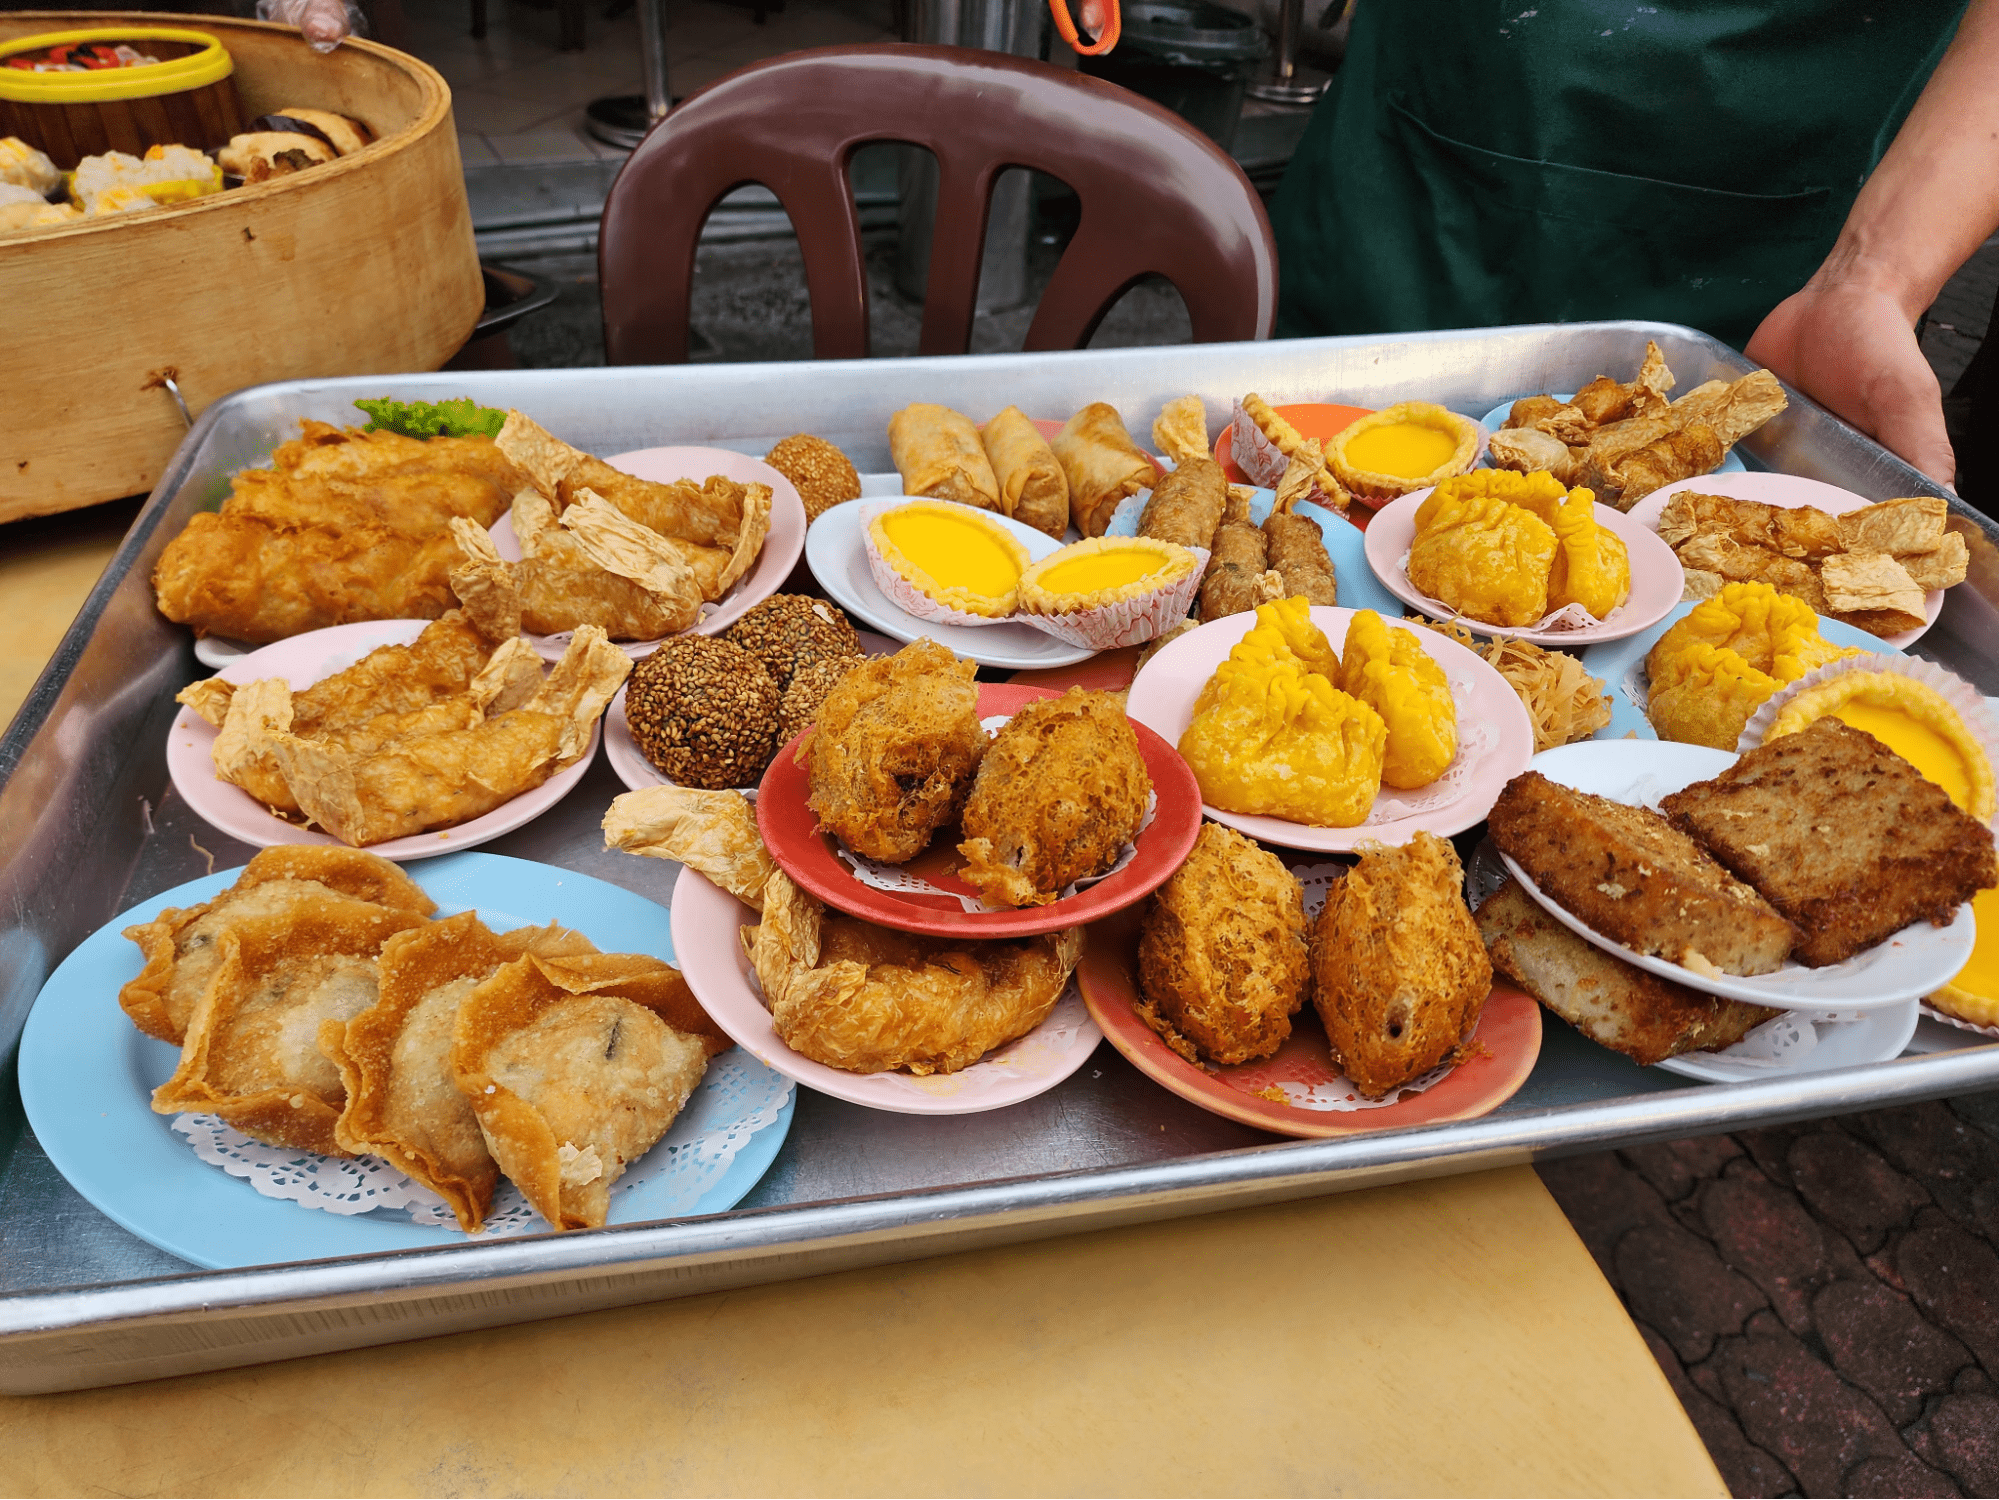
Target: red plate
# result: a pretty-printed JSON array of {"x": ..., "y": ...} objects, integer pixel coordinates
[
  {"x": 1509, "y": 1029},
  {"x": 1313, "y": 419},
  {"x": 793, "y": 836}
]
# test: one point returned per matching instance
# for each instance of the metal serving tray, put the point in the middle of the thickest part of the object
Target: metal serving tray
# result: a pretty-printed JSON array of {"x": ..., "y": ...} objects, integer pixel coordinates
[{"x": 88, "y": 828}]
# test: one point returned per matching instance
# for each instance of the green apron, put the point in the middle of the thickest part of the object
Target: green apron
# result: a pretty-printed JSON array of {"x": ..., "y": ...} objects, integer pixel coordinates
[{"x": 1690, "y": 161}]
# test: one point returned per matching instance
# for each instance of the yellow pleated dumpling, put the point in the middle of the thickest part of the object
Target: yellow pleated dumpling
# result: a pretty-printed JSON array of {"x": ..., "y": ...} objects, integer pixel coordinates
[
  {"x": 1387, "y": 668},
  {"x": 1485, "y": 557}
]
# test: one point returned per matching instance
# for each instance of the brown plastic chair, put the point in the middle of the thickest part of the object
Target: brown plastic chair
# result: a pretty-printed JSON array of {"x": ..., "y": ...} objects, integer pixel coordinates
[{"x": 1157, "y": 196}]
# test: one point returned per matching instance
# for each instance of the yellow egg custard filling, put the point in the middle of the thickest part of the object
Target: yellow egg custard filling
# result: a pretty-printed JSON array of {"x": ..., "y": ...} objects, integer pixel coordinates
[
  {"x": 1401, "y": 448},
  {"x": 952, "y": 554},
  {"x": 1973, "y": 995},
  {"x": 1102, "y": 570},
  {"x": 1911, "y": 718}
]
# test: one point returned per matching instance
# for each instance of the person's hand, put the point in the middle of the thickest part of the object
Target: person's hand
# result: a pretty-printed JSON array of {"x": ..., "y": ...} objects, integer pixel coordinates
[{"x": 1851, "y": 346}]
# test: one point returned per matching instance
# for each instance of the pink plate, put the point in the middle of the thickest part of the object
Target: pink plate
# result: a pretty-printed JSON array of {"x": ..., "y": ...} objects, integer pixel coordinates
[
  {"x": 1790, "y": 492},
  {"x": 1509, "y": 1031},
  {"x": 1495, "y": 736},
  {"x": 792, "y": 834},
  {"x": 706, "y": 921},
  {"x": 781, "y": 549},
  {"x": 1657, "y": 580},
  {"x": 303, "y": 660}
]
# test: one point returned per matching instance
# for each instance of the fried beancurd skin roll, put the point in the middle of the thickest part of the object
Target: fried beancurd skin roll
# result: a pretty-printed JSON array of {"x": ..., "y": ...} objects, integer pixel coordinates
[
  {"x": 1296, "y": 546},
  {"x": 1032, "y": 487},
  {"x": 1187, "y": 505},
  {"x": 939, "y": 454},
  {"x": 1239, "y": 575},
  {"x": 1103, "y": 464}
]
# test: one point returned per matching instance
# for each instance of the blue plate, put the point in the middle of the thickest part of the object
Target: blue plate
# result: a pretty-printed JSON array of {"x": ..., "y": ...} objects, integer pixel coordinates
[
  {"x": 1354, "y": 580},
  {"x": 87, "y": 1077},
  {"x": 1496, "y": 418},
  {"x": 1613, "y": 661}
]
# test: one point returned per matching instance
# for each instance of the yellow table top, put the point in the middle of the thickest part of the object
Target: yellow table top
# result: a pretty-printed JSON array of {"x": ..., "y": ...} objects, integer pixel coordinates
[{"x": 1448, "y": 1337}]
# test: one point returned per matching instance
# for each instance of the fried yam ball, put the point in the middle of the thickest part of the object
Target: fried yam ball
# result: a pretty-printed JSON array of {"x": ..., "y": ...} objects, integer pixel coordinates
[{"x": 820, "y": 472}]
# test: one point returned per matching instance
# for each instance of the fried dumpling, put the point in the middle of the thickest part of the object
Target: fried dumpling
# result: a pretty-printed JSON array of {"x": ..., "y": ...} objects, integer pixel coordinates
[
  {"x": 179, "y": 945},
  {"x": 1387, "y": 668},
  {"x": 1713, "y": 669},
  {"x": 1483, "y": 556},
  {"x": 252, "y": 1051},
  {"x": 571, "y": 1082}
]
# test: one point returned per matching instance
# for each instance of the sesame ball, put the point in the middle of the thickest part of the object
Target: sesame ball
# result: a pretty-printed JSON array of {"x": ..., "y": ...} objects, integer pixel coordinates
[
  {"x": 807, "y": 691},
  {"x": 703, "y": 712},
  {"x": 790, "y": 631},
  {"x": 819, "y": 472}
]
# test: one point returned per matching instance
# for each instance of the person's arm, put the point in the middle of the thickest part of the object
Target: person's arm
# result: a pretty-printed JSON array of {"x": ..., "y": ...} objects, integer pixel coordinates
[{"x": 1847, "y": 339}]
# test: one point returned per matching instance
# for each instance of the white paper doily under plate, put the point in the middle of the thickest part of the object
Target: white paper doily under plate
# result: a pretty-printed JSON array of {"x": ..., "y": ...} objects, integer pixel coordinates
[
  {"x": 1907, "y": 965},
  {"x": 87, "y": 1077},
  {"x": 303, "y": 660},
  {"x": 1795, "y": 1043},
  {"x": 706, "y": 924}
]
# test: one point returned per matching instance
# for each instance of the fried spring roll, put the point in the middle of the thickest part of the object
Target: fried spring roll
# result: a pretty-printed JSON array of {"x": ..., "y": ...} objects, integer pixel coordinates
[
  {"x": 1103, "y": 465},
  {"x": 1032, "y": 487},
  {"x": 1298, "y": 555},
  {"x": 1239, "y": 576},
  {"x": 1186, "y": 506},
  {"x": 938, "y": 453}
]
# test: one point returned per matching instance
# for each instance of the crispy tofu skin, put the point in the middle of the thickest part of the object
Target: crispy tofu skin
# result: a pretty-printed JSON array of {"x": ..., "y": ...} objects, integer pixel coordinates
[
  {"x": 1637, "y": 879},
  {"x": 1609, "y": 1001},
  {"x": 1222, "y": 963},
  {"x": 1844, "y": 837},
  {"x": 1399, "y": 972}
]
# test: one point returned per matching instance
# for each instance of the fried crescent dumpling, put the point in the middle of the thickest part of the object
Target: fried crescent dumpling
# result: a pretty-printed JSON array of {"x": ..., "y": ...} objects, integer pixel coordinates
[
  {"x": 571, "y": 1083},
  {"x": 179, "y": 944},
  {"x": 1061, "y": 790},
  {"x": 403, "y": 1101},
  {"x": 252, "y": 1051},
  {"x": 1222, "y": 961},
  {"x": 1387, "y": 668},
  {"x": 1483, "y": 556},
  {"x": 868, "y": 999},
  {"x": 1400, "y": 974},
  {"x": 1271, "y": 737},
  {"x": 892, "y": 757}
]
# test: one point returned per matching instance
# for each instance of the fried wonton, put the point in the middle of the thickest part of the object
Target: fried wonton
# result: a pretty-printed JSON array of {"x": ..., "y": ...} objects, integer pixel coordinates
[
  {"x": 179, "y": 944},
  {"x": 252, "y": 1050},
  {"x": 571, "y": 1082}
]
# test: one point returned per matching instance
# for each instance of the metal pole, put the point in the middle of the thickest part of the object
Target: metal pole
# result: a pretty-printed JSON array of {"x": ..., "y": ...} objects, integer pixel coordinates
[
  {"x": 622, "y": 120},
  {"x": 1287, "y": 83},
  {"x": 652, "y": 56}
]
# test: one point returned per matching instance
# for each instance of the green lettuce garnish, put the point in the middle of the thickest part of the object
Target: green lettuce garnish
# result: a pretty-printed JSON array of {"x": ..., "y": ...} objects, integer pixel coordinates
[{"x": 429, "y": 419}]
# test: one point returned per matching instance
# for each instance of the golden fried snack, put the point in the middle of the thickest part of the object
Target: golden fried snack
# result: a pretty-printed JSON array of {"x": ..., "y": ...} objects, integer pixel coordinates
[
  {"x": 1716, "y": 666},
  {"x": 571, "y": 1083},
  {"x": 823, "y": 476},
  {"x": 1180, "y": 431},
  {"x": 1528, "y": 450},
  {"x": 1103, "y": 464},
  {"x": 1480, "y": 552},
  {"x": 1387, "y": 668},
  {"x": 1296, "y": 545},
  {"x": 892, "y": 757},
  {"x": 1186, "y": 505},
  {"x": 1061, "y": 790},
  {"x": 1239, "y": 577},
  {"x": 561, "y": 588},
  {"x": 1222, "y": 959},
  {"x": 1400, "y": 975},
  {"x": 1290, "y": 442},
  {"x": 938, "y": 453},
  {"x": 1032, "y": 487},
  {"x": 866, "y": 999},
  {"x": 440, "y": 780},
  {"x": 403, "y": 1102},
  {"x": 251, "y": 1055},
  {"x": 715, "y": 832},
  {"x": 1794, "y": 531},
  {"x": 179, "y": 944}
]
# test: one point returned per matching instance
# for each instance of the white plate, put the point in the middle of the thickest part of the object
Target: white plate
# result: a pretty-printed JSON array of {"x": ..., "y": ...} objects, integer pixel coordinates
[
  {"x": 1496, "y": 419},
  {"x": 767, "y": 574},
  {"x": 839, "y": 560},
  {"x": 706, "y": 923},
  {"x": 302, "y": 661},
  {"x": 1792, "y": 493},
  {"x": 1162, "y": 698},
  {"x": 1820, "y": 1046},
  {"x": 1638, "y": 773},
  {"x": 1657, "y": 580},
  {"x": 630, "y": 762}
]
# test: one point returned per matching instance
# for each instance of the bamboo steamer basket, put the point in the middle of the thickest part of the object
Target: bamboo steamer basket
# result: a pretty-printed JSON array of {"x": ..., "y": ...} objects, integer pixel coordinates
[{"x": 357, "y": 266}]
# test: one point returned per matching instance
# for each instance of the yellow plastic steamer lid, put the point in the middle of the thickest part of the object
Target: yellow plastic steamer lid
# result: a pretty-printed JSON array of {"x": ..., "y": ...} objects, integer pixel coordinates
[{"x": 210, "y": 63}]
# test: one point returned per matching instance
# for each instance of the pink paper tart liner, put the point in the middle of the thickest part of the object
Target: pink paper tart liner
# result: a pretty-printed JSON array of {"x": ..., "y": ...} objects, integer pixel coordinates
[
  {"x": 905, "y": 595},
  {"x": 1928, "y": 1006},
  {"x": 1126, "y": 622},
  {"x": 1959, "y": 694}
]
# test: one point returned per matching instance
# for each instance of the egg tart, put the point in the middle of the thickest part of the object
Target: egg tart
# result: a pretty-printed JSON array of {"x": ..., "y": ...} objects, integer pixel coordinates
[
  {"x": 1402, "y": 448},
  {"x": 1111, "y": 590},
  {"x": 950, "y": 557},
  {"x": 1911, "y": 718}
]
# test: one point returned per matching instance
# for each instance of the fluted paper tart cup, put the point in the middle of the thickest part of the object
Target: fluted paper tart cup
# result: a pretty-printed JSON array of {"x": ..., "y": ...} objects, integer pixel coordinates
[
  {"x": 939, "y": 560},
  {"x": 1111, "y": 591}
]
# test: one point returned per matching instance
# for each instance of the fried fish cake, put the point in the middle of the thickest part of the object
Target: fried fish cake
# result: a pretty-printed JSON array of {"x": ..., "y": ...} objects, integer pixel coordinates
[
  {"x": 1061, "y": 790},
  {"x": 892, "y": 757},
  {"x": 1400, "y": 974},
  {"x": 1222, "y": 961}
]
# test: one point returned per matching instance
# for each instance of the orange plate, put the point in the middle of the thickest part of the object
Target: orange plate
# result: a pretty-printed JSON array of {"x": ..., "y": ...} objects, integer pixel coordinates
[
  {"x": 1509, "y": 1029},
  {"x": 1313, "y": 419}
]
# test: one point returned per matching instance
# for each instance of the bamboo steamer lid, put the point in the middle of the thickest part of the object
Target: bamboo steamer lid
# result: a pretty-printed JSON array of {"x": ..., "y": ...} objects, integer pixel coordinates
[{"x": 187, "y": 98}]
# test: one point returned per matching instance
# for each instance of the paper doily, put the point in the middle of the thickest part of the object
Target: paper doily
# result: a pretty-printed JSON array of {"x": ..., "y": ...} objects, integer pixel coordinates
[
  {"x": 738, "y": 1097},
  {"x": 1568, "y": 617}
]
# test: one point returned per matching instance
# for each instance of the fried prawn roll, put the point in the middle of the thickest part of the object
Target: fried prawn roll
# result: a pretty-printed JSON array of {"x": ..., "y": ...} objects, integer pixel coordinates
[
  {"x": 938, "y": 453},
  {"x": 1103, "y": 464},
  {"x": 1296, "y": 545},
  {"x": 1186, "y": 506},
  {"x": 1239, "y": 576},
  {"x": 1032, "y": 487}
]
